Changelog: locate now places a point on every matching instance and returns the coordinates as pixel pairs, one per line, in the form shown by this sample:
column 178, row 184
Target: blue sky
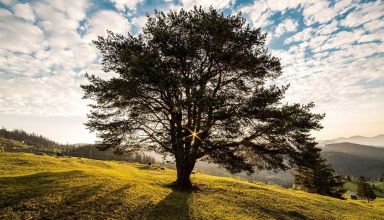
column 332, row 53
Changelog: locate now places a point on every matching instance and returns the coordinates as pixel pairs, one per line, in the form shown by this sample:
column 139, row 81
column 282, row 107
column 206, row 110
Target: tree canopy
column 198, row 85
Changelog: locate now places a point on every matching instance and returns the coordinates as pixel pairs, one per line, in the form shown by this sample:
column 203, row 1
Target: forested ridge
column 27, row 138
column 35, row 143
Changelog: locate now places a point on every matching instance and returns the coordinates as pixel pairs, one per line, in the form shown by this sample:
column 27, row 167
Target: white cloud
column 321, row 11
column 303, row 35
column 288, row 25
column 73, row 9
column 122, row 5
column 59, row 20
column 7, row 2
column 24, row 11
column 188, row 4
column 327, row 29
column 106, row 20
column 318, row 11
column 139, row 21
column 333, row 78
column 4, row 13
column 283, row 5
column 374, row 25
column 42, row 64
column 19, row 36
column 341, row 61
column 53, row 44
column 259, row 12
column 340, row 39
column 39, row 62
column 58, row 94
column 364, row 13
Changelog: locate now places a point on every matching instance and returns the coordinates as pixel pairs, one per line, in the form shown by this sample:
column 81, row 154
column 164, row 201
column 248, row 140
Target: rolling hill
column 42, row 186
column 356, row 149
column 355, row 159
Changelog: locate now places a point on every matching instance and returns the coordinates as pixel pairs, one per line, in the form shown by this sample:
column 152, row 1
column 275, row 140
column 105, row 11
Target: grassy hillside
column 36, row 186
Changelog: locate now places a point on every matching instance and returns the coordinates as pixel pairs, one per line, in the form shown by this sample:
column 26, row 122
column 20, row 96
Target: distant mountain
column 377, row 141
column 346, row 158
column 355, row 159
column 356, row 149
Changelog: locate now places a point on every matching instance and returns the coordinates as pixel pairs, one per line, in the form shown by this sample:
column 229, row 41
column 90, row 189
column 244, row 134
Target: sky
column 332, row 53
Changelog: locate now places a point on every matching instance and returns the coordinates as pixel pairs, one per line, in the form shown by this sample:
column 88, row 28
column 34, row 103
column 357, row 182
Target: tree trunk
column 184, row 170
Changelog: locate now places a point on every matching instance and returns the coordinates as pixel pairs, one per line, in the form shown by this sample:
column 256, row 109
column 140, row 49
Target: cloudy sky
column 332, row 53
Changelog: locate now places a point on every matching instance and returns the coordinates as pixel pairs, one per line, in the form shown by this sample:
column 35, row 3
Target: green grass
column 34, row 187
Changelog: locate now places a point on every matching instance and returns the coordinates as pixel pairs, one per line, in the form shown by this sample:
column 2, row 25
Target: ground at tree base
column 41, row 186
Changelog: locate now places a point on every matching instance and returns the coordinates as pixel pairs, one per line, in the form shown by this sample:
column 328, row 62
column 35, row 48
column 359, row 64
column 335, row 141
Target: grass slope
column 35, row 187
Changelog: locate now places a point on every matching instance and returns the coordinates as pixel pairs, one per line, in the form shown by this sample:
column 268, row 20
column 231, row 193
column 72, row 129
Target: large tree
column 197, row 84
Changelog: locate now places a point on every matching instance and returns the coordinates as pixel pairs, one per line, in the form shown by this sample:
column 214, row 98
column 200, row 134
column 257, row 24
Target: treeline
column 91, row 151
column 28, row 138
column 38, row 144
column 350, row 178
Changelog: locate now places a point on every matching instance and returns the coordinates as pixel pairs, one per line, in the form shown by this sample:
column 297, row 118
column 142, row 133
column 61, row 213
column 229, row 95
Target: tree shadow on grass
column 173, row 206
column 45, row 194
column 61, row 195
column 283, row 214
column 19, row 188
column 94, row 203
column 271, row 210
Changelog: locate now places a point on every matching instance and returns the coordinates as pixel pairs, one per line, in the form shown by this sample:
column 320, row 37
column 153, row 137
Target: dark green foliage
column 365, row 190
column 314, row 175
column 197, row 84
column 348, row 178
column 27, row 138
column 381, row 178
column 361, row 186
column 91, row 151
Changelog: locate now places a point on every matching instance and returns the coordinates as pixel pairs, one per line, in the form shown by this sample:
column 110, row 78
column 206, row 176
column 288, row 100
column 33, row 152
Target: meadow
column 49, row 187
